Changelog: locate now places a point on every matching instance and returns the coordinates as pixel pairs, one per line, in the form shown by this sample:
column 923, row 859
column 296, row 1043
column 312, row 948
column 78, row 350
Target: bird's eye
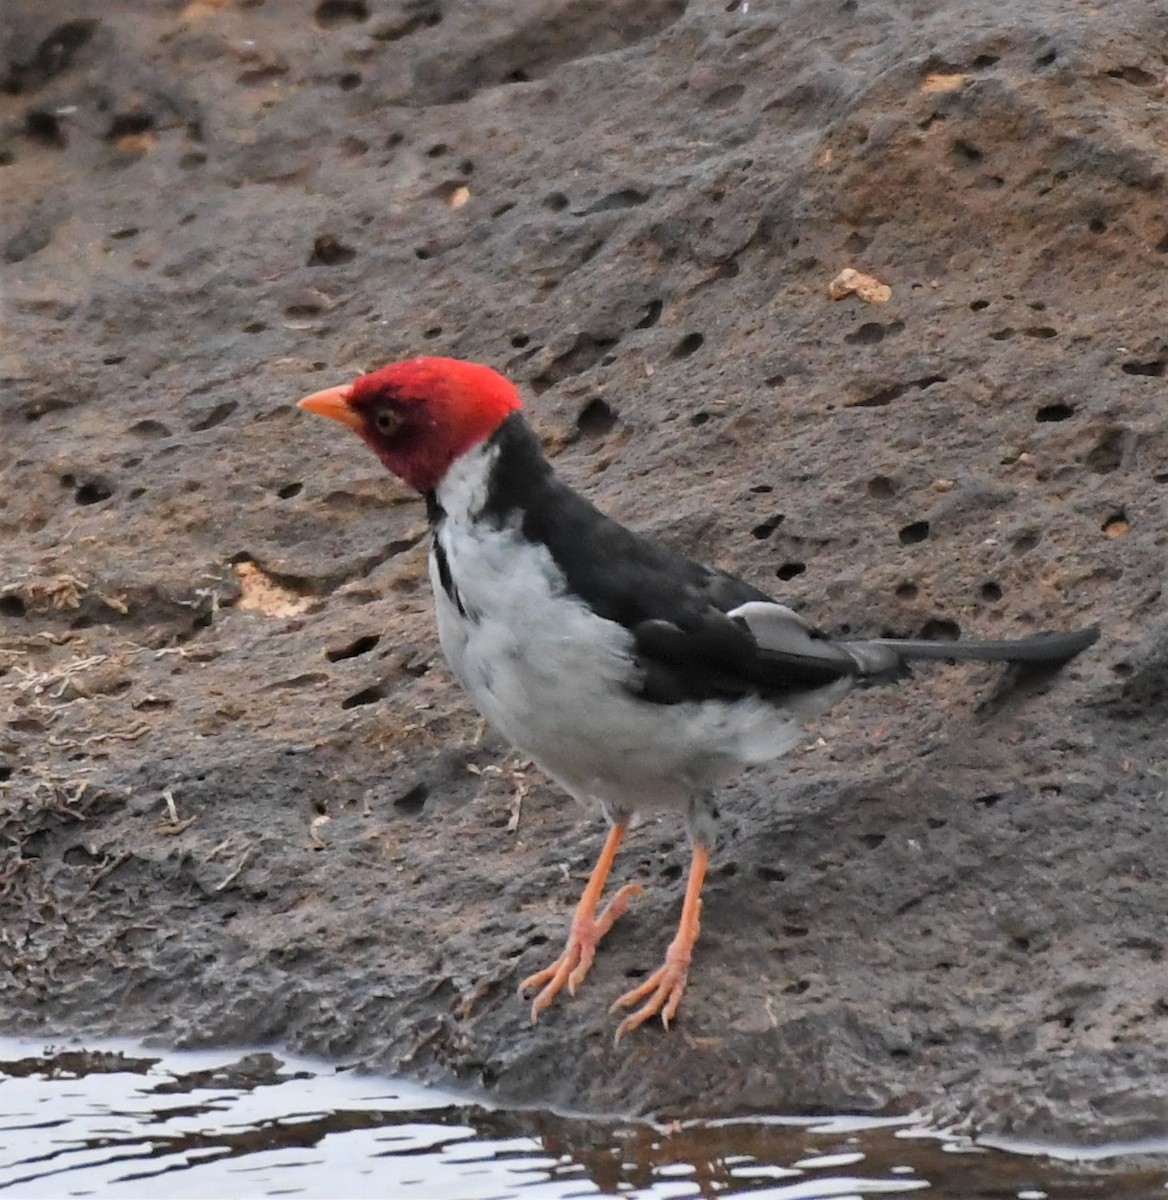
column 385, row 421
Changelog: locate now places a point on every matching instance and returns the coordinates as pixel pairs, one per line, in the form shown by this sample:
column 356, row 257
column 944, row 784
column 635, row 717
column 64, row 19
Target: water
column 123, row 1122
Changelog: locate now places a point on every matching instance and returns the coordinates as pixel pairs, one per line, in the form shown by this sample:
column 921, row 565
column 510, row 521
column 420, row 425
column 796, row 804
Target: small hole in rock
column 652, row 313
column 1116, row 525
column 328, row 251
column 790, row 570
column 519, row 340
column 414, row 800
column 966, row 152
column 991, row 592
column 688, row 344
column 1136, row 76
column 337, row 12
column 940, row 629
column 149, row 428
column 289, row 490
column 1107, row 453
column 699, row 419
column 12, row 606
column 770, row 874
column 872, row 333
column 765, row 528
column 129, row 125
column 369, row 695
column 422, row 253
column 454, row 193
column 978, row 305
column 355, row 648
column 94, row 491
column 918, row 531
column 596, row 419
column 437, row 150
column 556, row 201
column 1154, row 369
column 881, row 487
column 1044, row 60
column 1024, row 543
column 216, row 416
column 431, row 333
column 43, row 127
column 254, row 327
column 349, row 81
column 1054, row 412
column 906, row 591
column 1097, row 225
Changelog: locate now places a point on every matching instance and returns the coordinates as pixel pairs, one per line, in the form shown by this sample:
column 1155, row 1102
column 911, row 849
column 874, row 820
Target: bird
column 636, row 679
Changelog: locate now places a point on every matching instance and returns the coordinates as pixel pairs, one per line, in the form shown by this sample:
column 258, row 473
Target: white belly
column 552, row 677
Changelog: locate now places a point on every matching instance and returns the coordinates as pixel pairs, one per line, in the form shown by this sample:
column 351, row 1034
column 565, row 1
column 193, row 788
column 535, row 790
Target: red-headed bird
column 633, row 677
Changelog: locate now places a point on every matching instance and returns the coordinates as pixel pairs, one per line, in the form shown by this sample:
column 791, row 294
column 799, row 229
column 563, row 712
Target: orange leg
column 665, row 986
column 587, row 929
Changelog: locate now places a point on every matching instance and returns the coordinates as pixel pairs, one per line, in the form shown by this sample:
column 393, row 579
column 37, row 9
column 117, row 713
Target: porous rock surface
column 241, row 799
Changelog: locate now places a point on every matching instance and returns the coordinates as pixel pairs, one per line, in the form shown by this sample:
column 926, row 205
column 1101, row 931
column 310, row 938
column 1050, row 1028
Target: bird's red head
column 421, row 414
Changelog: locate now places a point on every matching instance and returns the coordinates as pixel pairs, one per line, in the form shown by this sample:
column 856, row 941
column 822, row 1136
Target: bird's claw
column 664, row 989
column 575, row 962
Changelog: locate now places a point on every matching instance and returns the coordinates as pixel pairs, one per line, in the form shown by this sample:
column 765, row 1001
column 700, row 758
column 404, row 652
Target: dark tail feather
column 1047, row 647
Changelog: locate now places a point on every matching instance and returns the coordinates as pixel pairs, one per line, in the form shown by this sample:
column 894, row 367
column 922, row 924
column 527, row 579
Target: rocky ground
column 242, row 800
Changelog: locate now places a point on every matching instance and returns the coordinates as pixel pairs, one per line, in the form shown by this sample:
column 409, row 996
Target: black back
column 685, row 645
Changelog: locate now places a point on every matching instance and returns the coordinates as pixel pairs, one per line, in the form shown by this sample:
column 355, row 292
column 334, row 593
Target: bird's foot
column 579, row 951
column 663, row 988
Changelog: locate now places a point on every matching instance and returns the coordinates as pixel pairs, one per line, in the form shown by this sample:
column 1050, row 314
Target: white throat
column 463, row 490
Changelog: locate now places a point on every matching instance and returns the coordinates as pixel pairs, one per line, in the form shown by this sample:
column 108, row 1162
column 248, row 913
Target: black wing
column 699, row 633
column 687, row 645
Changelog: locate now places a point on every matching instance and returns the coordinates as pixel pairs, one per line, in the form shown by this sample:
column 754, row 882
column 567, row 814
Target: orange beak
column 334, row 402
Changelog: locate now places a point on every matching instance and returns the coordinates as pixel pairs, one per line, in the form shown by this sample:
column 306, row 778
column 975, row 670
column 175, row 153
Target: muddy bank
column 242, row 799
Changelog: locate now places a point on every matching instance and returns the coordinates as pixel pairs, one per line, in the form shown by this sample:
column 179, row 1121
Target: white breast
column 552, row 676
